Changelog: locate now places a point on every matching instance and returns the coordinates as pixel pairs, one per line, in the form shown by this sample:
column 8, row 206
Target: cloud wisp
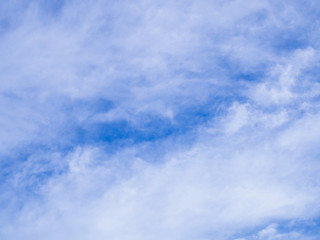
column 159, row 120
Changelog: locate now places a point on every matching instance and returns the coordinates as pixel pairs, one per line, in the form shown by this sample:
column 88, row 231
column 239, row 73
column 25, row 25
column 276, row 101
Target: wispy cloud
column 159, row 120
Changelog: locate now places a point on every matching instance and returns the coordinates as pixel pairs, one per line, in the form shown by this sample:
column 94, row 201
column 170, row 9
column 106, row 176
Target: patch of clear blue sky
column 13, row 12
column 54, row 6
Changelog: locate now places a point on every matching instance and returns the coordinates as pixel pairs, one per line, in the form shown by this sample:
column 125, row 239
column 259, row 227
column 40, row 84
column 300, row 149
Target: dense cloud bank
column 159, row 120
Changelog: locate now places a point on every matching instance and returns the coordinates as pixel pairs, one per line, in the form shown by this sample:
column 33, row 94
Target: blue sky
column 159, row 120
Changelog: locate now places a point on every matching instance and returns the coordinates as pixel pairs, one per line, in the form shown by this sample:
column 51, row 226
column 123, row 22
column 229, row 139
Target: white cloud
column 216, row 188
column 250, row 165
column 284, row 80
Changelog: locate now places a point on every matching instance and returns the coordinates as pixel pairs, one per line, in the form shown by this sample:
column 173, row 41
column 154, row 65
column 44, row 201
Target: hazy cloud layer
column 159, row 120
